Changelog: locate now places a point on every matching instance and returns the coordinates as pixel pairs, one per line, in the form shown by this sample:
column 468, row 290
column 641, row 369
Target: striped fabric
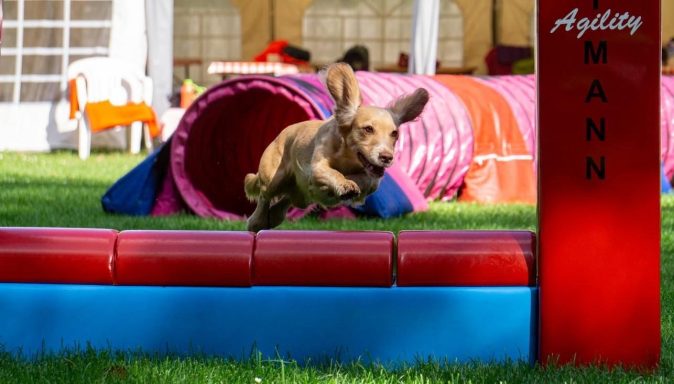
column 667, row 125
column 434, row 150
column 251, row 68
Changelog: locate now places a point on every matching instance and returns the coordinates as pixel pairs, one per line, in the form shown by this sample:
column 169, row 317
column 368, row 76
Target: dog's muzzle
column 372, row 169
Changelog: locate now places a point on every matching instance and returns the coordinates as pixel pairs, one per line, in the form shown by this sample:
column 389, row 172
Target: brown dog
column 330, row 162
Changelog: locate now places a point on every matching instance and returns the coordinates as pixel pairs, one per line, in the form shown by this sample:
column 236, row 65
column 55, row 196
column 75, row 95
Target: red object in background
column 494, row 66
column 501, row 58
column 599, row 201
column 275, row 51
column 190, row 258
column 323, row 258
column 466, row 258
column 404, row 61
column 57, row 255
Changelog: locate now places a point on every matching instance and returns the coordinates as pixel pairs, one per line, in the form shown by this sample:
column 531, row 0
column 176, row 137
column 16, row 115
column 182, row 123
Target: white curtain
column 128, row 39
column 159, row 16
column 423, row 51
column 0, row 22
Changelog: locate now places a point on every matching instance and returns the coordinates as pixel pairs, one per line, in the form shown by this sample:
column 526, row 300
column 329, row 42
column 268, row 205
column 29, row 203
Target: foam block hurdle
column 391, row 325
column 466, row 258
column 190, row 258
column 57, row 255
column 599, row 201
column 323, row 258
column 309, row 323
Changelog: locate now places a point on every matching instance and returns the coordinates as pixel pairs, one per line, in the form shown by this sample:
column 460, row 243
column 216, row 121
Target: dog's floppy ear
column 343, row 86
column 408, row 107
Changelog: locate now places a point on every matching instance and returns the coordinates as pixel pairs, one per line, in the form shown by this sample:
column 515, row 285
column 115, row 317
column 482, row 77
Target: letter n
column 599, row 131
column 592, row 167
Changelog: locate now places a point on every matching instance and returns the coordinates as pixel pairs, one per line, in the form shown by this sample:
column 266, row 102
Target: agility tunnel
column 211, row 152
column 223, row 134
column 476, row 141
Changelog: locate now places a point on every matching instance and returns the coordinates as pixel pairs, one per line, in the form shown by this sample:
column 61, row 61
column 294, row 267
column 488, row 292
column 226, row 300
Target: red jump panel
column 466, row 258
column 599, row 192
column 57, row 255
column 189, row 258
column 323, row 258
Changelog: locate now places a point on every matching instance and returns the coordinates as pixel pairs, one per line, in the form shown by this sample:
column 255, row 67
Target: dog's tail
column 252, row 186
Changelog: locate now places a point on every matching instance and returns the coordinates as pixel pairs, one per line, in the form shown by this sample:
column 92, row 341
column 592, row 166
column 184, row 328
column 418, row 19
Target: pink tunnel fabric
column 667, row 125
column 436, row 149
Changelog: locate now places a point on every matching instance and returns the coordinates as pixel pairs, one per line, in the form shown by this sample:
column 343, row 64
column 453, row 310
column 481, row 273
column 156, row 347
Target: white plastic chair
column 103, row 78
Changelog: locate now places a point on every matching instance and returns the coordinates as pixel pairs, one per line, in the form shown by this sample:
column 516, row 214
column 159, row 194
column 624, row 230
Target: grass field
column 60, row 190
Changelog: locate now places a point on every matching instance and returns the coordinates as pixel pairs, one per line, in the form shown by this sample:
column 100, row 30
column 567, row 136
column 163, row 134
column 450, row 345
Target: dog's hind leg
column 267, row 216
column 278, row 211
column 259, row 220
column 251, row 185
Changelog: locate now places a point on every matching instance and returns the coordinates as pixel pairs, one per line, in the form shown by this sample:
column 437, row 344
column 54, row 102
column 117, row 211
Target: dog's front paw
column 348, row 190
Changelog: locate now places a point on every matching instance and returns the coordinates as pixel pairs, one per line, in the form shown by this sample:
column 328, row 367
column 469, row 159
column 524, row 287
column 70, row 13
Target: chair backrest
column 109, row 79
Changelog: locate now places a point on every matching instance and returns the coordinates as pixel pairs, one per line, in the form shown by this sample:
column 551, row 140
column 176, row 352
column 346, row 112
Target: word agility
column 603, row 21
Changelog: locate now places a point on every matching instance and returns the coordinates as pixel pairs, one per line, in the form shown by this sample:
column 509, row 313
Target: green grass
column 60, row 190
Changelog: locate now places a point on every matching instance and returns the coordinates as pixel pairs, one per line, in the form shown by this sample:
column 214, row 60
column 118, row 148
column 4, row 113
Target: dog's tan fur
column 318, row 161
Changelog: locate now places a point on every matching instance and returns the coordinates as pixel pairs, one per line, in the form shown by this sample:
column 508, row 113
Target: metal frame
column 65, row 51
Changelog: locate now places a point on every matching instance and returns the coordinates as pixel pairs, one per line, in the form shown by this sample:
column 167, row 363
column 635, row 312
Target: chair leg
column 148, row 139
column 84, row 136
column 136, row 137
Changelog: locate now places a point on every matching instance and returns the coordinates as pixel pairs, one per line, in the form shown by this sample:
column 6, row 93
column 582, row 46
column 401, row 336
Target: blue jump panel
column 389, row 325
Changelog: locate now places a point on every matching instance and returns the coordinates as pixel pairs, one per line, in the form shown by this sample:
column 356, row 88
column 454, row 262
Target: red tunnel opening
column 222, row 136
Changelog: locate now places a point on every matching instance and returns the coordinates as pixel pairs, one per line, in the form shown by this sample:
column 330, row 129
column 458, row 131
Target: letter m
column 594, row 55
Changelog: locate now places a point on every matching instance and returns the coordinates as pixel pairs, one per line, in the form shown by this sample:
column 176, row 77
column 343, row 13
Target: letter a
column 596, row 90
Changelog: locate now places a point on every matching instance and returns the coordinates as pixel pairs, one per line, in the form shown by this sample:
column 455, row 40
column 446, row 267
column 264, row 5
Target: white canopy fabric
column 128, row 39
column 424, row 45
column 159, row 16
column 0, row 22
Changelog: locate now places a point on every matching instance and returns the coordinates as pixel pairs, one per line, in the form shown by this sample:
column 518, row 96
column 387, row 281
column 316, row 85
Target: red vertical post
column 599, row 192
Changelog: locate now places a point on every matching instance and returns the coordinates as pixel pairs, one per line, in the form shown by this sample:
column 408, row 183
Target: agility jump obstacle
column 308, row 295
column 456, row 295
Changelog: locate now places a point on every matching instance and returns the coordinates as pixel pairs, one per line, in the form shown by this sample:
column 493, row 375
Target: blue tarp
column 135, row 192
column 666, row 185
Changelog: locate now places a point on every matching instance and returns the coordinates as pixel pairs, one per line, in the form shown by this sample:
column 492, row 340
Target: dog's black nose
column 385, row 158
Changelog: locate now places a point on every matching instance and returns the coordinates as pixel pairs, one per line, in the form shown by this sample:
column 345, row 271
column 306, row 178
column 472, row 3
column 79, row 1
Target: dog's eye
column 394, row 134
column 368, row 129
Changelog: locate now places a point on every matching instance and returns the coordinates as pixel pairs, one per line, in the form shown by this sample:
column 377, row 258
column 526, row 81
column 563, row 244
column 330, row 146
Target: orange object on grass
column 502, row 169
column 104, row 115
column 187, row 94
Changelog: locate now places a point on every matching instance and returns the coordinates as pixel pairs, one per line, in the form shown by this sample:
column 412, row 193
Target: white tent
column 40, row 39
